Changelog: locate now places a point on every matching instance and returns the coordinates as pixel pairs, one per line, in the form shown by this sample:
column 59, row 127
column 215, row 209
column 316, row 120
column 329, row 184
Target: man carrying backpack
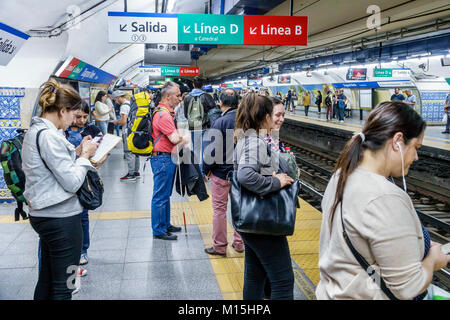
column 196, row 108
column 132, row 160
column 165, row 137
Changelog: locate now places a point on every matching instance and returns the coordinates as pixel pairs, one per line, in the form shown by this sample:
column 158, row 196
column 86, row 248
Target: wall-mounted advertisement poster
column 356, row 74
column 284, row 79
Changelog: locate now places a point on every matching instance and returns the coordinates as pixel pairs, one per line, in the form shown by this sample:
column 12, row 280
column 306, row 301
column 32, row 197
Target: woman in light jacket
column 52, row 180
column 265, row 256
column 378, row 216
column 102, row 111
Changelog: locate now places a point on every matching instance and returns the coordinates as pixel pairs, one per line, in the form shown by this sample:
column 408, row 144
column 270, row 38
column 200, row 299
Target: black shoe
column 166, row 236
column 173, row 229
column 445, row 132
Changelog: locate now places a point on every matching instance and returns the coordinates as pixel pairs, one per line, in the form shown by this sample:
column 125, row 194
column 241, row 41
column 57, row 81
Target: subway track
column 316, row 169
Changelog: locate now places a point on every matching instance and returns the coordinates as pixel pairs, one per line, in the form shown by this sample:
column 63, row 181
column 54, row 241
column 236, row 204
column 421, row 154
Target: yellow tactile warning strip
column 229, row 270
column 435, row 142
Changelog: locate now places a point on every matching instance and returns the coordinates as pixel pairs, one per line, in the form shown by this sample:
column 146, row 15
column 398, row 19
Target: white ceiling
column 329, row 21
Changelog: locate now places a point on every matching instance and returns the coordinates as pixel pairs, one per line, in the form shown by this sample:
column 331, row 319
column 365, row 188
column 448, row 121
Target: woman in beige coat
column 378, row 216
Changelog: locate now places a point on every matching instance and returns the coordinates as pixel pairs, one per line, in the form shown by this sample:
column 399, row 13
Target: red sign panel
column 69, row 68
column 276, row 30
column 189, row 71
column 223, row 85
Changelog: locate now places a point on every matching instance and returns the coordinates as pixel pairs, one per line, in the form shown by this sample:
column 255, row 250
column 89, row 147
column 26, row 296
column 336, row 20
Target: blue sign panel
column 93, row 74
column 369, row 84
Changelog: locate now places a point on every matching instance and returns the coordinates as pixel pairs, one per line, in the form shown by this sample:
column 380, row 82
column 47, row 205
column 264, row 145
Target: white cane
column 181, row 189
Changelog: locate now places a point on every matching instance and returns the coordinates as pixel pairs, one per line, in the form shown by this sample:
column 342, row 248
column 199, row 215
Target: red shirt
column 163, row 124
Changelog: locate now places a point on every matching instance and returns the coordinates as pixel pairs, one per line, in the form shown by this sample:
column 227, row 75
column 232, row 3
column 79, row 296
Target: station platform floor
column 433, row 134
column 125, row 262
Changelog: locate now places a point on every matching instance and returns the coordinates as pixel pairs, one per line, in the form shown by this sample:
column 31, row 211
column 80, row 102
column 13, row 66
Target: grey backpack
column 196, row 114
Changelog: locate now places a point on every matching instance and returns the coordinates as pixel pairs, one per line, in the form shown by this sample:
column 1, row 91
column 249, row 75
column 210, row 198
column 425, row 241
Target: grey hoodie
column 52, row 194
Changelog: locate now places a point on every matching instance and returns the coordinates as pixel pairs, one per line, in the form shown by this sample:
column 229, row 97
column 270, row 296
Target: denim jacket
column 42, row 187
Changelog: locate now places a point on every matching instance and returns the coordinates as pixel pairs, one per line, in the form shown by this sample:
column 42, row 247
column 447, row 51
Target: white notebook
column 108, row 142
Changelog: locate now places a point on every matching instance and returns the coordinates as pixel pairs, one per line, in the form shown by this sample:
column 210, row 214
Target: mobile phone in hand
column 446, row 248
column 97, row 139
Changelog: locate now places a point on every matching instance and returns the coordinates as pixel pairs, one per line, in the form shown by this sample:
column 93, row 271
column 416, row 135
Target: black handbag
column 273, row 214
column 90, row 193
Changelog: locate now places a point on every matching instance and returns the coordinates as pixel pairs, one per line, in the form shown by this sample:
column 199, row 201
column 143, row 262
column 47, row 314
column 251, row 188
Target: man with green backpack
column 197, row 106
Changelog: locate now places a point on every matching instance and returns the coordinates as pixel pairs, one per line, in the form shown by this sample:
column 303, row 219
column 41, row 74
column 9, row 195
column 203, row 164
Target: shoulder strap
column 364, row 264
column 39, row 149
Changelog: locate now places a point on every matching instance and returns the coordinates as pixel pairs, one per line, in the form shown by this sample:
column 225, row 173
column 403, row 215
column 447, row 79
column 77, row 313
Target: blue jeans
column 103, row 126
column 117, row 129
column 85, row 226
column 197, row 146
column 163, row 176
column 267, row 258
column 341, row 113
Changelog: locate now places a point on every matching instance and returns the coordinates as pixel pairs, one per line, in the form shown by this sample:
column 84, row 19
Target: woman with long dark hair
column 265, row 256
column 378, row 217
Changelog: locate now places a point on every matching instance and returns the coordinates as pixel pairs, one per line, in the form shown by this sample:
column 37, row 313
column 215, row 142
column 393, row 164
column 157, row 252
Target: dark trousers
column 335, row 110
column 85, row 226
column 318, row 106
column 341, row 114
column 267, row 258
column 306, row 110
column 60, row 247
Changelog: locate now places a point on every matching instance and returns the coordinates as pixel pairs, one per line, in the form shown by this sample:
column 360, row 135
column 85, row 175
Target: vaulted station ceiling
column 79, row 28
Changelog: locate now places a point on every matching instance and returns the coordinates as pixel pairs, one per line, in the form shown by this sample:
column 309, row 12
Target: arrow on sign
column 253, row 31
column 186, row 29
column 122, row 28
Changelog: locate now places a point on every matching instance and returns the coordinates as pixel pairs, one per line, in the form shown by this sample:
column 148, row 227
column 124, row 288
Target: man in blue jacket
column 219, row 172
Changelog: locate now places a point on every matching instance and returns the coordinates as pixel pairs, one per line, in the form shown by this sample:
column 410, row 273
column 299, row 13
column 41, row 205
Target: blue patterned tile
column 9, row 107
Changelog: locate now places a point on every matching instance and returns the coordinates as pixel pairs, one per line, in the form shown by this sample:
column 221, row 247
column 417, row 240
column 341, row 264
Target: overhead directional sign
column 210, row 29
column 10, row 42
column 139, row 27
column 158, row 71
column 276, row 30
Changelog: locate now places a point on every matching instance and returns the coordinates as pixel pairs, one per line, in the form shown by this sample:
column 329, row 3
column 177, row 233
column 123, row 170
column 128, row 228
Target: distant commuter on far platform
column 447, row 111
column 397, row 96
column 410, row 98
column 306, row 102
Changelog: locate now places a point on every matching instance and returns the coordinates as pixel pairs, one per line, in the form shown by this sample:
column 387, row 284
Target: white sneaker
column 77, row 284
column 83, row 259
column 81, row 272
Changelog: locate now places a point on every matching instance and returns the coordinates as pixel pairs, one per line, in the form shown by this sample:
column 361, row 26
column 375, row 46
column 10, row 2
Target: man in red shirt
column 166, row 137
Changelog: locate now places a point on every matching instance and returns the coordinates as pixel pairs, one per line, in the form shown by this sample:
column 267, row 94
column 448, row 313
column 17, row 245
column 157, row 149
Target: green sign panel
column 210, row 29
column 170, row 71
column 77, row 70
column 448, row 80
column 382, row 73
column 163, row 82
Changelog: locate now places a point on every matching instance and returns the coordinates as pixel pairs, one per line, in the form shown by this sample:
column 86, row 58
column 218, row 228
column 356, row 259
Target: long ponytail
column 383, row 122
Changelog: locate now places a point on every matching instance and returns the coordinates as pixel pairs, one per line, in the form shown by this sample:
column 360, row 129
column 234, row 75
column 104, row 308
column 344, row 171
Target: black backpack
column 11, row 161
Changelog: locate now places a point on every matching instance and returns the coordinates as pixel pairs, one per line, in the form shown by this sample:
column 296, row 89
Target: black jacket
column 226, row 121
column 191, row 180
column 207, row 102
